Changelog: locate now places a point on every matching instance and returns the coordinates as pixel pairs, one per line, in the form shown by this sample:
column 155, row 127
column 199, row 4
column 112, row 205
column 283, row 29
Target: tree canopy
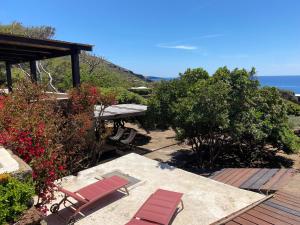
column 228, row 108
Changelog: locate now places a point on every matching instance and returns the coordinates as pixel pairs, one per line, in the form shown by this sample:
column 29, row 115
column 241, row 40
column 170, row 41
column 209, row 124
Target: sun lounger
column 130, row 138
column 90, row 194
column 159, row 209
column 118, row 135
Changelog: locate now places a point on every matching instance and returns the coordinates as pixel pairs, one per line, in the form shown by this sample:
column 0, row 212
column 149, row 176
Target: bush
column 292, row 108
column 228, row 108
column 141, row 91
column 289, row 141
column 54, row 142
column 124, row 96
column 15, row 197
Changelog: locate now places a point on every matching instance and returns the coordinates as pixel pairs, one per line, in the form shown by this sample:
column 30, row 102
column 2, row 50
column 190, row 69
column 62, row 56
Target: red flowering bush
column 54, row 142
column 83, row 134
column 29, row 126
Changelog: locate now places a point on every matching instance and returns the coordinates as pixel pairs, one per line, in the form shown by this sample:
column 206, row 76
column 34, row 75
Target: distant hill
column 94, row 69
column 127, row 71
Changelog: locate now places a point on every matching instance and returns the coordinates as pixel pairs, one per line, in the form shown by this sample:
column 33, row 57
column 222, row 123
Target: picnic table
column 120, row 111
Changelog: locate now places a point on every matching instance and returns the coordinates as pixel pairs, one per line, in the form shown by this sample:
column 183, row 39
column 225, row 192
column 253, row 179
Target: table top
column 120, row 111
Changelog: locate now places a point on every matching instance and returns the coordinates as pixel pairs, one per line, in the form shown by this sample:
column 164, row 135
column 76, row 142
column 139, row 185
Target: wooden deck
column 282, row 208
column 255, row 179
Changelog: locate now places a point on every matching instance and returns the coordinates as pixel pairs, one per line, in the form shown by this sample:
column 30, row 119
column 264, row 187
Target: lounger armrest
column 72, row 194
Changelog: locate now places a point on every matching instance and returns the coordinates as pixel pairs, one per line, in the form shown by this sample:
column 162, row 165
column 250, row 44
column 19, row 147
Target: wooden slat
column 288, row 195
column 246, row 176
column 214, row 174
column 254, row 219
column 223, row 175
column 286, row 205
column 253, row 179
column 241, row 220
column 239, row 176
column 280, row 212
column 277, row 215
column 274, row 180
column 232, row 223
column 288, row 200
column 232, row 176
column 267, row 176
column 283, row 180
column 283, row 208
column 266, row 217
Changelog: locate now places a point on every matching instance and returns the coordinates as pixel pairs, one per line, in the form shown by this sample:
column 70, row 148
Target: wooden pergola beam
column 19, row 49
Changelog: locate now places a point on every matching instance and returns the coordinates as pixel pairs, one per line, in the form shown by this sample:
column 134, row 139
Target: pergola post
column 8, row 76
column 33, row 72
column 75, row 68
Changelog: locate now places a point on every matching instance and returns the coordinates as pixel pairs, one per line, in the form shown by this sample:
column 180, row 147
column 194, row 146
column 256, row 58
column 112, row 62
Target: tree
column 193, row 75
column 202, row 118
column 228, row 109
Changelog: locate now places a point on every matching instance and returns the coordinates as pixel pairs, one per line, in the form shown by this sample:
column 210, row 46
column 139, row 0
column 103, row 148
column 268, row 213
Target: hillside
column 94, row 69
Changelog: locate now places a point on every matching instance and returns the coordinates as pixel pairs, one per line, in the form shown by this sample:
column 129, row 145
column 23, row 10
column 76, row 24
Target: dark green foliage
column 290, row 140
column 227, row 109
column 143, row 92
column 292, row 108
column 289, row 95
column 193, row 75
column 123, row 96
column 15, row 197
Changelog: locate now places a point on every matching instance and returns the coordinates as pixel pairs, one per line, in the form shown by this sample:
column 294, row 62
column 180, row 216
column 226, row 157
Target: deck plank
column 266, row 217
column 265, row 178
column 283, row 180
column 276, row 215
column 283, row 208
column 241, row 220
column 254, row 219
column 280, row 212
column 246, row 176
column 274, row 179
column 252, row 180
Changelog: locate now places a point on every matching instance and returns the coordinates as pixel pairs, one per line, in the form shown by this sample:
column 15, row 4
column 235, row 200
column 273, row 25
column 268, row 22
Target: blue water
column 285, row 82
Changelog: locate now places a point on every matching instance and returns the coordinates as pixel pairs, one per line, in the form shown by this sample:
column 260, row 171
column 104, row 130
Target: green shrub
column 15, row 197
column 292, row 108
column 290, row 142
column 294, row 122
column 141, row 91
column 124, row 96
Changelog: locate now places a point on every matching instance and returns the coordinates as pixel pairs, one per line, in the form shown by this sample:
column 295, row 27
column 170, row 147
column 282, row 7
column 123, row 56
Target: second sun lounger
column 90, row 194
column 159, row 208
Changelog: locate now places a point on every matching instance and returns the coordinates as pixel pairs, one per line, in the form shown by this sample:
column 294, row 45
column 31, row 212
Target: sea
column 285, row 82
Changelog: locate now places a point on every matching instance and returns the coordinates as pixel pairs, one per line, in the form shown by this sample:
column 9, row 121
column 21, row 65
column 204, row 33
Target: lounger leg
column 182, row 206
column 126, row 190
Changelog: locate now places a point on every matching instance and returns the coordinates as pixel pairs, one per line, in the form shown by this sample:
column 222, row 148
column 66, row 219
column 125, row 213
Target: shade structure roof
column 121, row 111
column 19, row 49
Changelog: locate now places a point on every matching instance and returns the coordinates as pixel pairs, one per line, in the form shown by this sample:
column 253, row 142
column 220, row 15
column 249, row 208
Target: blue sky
column 164, row 37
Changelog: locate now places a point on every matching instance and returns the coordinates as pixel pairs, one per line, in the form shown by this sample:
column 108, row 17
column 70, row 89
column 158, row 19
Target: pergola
column 19, row 49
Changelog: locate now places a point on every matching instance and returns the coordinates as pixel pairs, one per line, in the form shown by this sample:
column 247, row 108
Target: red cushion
column 160, row 207
column 140, row 222
column 102, row 187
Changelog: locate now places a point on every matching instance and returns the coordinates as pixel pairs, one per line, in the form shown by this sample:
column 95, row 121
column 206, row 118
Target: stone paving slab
column 205, row 200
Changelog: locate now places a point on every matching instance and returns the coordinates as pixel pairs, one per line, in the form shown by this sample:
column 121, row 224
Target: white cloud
column 184, row 47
